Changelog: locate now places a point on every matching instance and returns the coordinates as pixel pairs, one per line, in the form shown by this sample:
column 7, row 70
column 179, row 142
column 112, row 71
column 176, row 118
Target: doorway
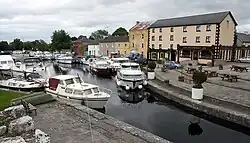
column 195, row 55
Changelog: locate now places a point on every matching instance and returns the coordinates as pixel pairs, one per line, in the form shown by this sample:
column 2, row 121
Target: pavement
column 70, row 123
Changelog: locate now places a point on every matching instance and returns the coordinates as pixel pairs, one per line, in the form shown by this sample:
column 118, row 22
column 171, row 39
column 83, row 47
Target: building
column 192, row 37
column 81, row 46
column 138, row 37
column 93, row 49
column 243, row 39
column 114, row 44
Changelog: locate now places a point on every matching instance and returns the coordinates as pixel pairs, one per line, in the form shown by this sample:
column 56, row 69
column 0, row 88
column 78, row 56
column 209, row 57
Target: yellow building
column 194, row 32
column 138, row 37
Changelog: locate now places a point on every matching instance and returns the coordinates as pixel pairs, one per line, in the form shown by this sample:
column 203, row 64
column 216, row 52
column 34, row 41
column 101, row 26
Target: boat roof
column 130, row 64
column 81, row 86
column 119, row 59
column 101, row 62
column 6, row 58
column 131, row 72
column 64, row 77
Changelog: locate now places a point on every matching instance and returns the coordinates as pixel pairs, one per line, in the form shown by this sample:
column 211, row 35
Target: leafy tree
column 17, row 44
column 91, row 38
column 99, row 35
column 73, row 38
column 60, row 40
column 120, row 32
column 4, row 46
column 27, row 45
column 80, row 37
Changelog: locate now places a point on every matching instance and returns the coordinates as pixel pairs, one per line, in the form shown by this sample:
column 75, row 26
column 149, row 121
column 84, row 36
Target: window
column 78, row 92
column 184, row 40
column 142, row 36
column 153, row 38
column 186, row 54
column 160, row 30
column 68, row 90
column 87, row 92
column 61, row 82
column 227, row 23
column 118, row 45
column 142, row 45
column 205, row 54
column 133, row 37
column 172, row 29
column 208, row 28
column 3, row 62
column 125, row 45
column 171, row 46
column 171, row 37
column 96, row 90
column 160, row 38
column 184, row 28
column 133, row 45
column 153, row 46
column 207, row 39
column 198, row 39
column 153, row 30
column 69, row 81
column 198, row 28
column 160, row 46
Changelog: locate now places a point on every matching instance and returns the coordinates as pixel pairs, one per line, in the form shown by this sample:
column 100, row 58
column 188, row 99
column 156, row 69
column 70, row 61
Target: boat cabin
column 32, row 61
column 6, row 60
column 130, row 66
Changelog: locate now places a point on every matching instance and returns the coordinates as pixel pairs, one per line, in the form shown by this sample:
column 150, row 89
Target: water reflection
column 194, row 129
column 131, row 97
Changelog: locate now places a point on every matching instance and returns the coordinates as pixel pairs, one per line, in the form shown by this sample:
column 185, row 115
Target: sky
column 37, row 19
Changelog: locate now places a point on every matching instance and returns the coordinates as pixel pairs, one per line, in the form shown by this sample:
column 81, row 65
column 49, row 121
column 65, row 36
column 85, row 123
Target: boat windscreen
column 95, row 90
column 78, row 80
column 87, row 91
column 3, row 62
column 69, row 81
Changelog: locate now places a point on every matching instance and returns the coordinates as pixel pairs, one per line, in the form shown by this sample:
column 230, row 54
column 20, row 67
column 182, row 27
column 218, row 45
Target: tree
column 4, row 46
column 73, row 38
column 99, row 35
column 91, row 38
column 17, row 44
column 120, row 32
column 60, row 40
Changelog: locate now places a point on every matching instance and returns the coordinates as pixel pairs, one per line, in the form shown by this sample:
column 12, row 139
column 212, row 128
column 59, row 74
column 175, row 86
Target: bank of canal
column 160, row 117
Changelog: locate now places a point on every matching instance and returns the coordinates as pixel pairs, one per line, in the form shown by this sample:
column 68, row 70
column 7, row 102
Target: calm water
column 157, row 116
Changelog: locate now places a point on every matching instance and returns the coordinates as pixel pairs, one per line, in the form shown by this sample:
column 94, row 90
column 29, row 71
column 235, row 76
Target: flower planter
column 151, row 75
column 197, row 93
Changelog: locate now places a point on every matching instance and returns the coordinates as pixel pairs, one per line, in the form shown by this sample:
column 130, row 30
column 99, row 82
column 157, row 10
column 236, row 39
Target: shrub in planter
column 151, row 67
column 199, row 78
column 220, row 67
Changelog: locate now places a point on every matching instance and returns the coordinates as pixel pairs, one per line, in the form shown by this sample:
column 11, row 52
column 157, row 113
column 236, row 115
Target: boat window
column 69, row 90
column 78, row 92
column 78, row 80
column 61, row 82
column 69, row 81
column 132, row 76
column 10, row 62
column 95, row 90
column 87, row 92
column 3, row 62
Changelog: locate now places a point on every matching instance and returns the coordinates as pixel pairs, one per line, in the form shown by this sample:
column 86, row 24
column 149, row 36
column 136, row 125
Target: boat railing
column 105, row 90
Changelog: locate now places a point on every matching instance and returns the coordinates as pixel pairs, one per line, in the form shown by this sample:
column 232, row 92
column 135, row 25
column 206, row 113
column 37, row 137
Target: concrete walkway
column 70, row 123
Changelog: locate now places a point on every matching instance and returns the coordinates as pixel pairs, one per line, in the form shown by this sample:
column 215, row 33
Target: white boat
column 89, row 61
column 244, row 60
column 6, row 63
column 64, row 59
column 115, row 63
column 100, row 68
column 28, row 82
column 130, row 76
column 47, row 55
column 32, row 64
column 72, row 88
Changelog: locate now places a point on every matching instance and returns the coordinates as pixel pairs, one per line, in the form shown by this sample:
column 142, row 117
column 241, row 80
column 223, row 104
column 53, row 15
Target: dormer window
column 208, row 28
column 198, row 28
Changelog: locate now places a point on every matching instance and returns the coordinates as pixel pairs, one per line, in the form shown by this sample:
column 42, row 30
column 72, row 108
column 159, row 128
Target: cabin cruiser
column 6, row 63
column 28, row 82
column 130, row 76
column 64, row 68
column 115, row 63
column 33, row 64
column 89, row 61
column 74, row 89
column 100, row 68
column 47, row 55
column 64, row 59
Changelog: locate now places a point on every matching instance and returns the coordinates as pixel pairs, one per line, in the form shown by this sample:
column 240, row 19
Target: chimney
column 137, row 22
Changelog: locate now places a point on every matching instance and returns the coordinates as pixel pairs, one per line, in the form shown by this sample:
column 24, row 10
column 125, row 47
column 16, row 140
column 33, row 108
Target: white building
column 93, row 49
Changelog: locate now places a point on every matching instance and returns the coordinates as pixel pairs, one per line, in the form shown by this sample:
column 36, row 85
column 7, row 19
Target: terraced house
column 195, row 37
column 113, row 44
column 138, row 37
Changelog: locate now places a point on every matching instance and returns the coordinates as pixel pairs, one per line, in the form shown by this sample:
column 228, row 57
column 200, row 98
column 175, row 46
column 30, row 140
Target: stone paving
column 66, row 124
column 233, row 95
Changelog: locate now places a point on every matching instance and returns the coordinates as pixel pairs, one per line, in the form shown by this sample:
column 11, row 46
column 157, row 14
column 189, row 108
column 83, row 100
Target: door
column 195, row 55
column 173, row 55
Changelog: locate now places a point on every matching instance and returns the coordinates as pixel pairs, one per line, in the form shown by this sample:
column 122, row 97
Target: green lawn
column 7, row 96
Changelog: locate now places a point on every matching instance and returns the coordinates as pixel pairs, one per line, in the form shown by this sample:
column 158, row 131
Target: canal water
column 161, row 117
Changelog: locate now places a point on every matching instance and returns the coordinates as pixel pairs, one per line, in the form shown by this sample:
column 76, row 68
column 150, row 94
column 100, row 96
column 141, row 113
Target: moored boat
column 72, row 88
column 101, row 68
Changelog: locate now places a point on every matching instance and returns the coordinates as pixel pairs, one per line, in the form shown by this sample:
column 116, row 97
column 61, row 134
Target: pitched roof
column 87, row 41
column 211, row 18
column 243, row 37
column 141, row 25
column 111, row 39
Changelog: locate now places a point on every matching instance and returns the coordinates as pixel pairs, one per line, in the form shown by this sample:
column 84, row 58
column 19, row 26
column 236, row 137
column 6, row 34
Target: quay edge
column 218, row 111
column 144, row 135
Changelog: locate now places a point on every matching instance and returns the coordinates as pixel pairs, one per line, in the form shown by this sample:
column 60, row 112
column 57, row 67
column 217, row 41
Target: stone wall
column 18, row 127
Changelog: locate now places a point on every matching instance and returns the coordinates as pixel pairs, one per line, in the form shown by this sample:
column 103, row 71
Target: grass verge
column 7, row 96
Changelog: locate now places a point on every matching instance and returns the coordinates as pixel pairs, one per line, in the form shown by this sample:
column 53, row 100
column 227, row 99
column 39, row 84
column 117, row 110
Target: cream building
column 191, row 31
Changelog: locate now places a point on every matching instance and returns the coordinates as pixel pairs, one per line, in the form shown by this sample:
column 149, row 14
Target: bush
column 151, row 65
column 199, row 77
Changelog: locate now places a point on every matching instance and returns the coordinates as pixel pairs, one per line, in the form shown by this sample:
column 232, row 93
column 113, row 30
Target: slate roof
column 111, row 39
column 87, row 41
column 211, row 18
column 142, row 25
column 243, row 37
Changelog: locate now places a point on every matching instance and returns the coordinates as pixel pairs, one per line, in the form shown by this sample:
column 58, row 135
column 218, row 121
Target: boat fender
column 140, row 86
column 145, row 82
column 127, row 87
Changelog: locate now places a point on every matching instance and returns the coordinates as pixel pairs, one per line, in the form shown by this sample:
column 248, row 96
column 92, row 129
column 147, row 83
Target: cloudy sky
column 37, row 19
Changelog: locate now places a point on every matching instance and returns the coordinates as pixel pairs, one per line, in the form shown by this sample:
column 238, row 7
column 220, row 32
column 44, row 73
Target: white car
column 244, row 60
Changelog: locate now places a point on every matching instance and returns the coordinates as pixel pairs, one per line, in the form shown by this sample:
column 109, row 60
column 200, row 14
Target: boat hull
column 27, row 89
column 131, row 85
column 95, row 103
column 101, row 72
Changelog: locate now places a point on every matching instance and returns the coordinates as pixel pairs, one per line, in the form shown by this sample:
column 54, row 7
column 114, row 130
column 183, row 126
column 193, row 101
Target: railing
column 105, row 90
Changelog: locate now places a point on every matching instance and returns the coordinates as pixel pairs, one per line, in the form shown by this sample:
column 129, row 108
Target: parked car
column 245, row 59
column 172, row 65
